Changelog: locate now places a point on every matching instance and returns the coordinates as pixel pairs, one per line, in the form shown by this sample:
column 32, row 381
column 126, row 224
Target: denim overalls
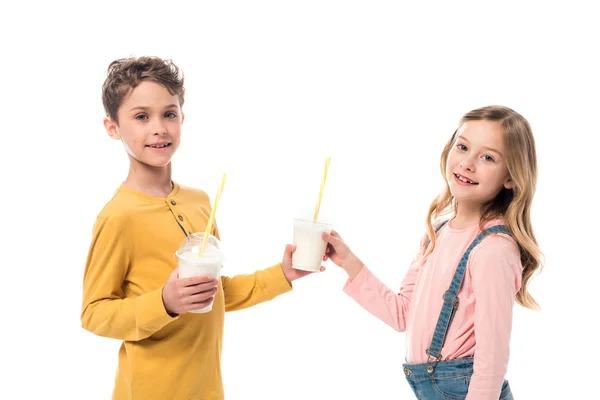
column 437, row 379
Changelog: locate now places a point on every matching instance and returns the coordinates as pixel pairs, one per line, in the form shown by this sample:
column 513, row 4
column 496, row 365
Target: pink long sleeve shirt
column 483, row 320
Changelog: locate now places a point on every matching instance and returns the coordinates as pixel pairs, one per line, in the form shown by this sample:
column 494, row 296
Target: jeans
column 450, row 380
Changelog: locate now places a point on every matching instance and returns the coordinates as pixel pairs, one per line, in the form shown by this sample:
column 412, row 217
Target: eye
column 141, row 117
column 170, row 114
column 488, row 158
column 461, row 147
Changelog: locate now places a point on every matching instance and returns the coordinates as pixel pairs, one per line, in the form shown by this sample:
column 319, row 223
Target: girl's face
column 476, row 169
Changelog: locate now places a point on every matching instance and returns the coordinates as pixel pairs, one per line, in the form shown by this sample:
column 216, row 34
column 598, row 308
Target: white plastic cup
column 209, row 264
column 310, row 247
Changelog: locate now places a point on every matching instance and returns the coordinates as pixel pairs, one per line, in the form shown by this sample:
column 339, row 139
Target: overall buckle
column 450, row 298
column 432, row 360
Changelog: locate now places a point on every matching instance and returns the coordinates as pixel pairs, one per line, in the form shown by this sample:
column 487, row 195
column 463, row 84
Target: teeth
column 160, row 146
column 463, row 179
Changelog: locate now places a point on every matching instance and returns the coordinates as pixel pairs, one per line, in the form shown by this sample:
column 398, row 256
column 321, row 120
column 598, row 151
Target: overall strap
column 441, row 225
column 437, row 229
column 450, row 298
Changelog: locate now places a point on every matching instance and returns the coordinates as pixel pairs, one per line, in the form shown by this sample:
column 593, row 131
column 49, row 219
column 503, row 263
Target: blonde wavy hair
column 513, row 205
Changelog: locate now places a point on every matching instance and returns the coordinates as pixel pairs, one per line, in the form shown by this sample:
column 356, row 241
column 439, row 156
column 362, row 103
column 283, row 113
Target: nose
column 468, row 163
column 159, row 128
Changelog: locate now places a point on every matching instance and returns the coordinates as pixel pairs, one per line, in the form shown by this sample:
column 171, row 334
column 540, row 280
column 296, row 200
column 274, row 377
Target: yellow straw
column 321, row 190
column 212, row 218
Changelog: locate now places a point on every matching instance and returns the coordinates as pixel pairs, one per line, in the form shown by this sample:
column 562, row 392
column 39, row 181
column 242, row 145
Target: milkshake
column 191, row 265
column 310, row 248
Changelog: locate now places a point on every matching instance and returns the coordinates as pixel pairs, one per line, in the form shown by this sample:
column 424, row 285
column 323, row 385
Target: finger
column 322, row 268
column 332, row 240
column 334, row 233
column 199, row 288
column 200, row 297
column 289, row 249
column 195, row 280
column 199, row 305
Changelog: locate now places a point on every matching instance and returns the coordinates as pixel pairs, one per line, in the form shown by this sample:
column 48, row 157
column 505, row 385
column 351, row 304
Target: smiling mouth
column 465, row 180
column 158, row 146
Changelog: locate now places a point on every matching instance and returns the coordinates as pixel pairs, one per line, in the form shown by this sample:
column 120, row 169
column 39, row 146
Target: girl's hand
column 341, row 255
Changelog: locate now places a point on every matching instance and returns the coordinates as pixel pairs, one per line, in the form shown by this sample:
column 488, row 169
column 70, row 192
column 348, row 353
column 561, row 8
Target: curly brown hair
column 126, row 73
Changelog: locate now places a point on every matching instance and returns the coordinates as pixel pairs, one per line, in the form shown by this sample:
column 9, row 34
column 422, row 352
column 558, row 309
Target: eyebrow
column 145, row 107
column 487, row 148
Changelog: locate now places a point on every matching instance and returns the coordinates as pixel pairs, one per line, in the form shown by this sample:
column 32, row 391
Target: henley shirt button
column 173, row 202
column 180, row 217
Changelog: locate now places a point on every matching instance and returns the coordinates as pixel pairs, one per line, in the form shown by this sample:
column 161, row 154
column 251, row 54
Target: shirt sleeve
column 243, row 291
column 247, row 290
column 105, row 310
column 496, row 271
column 379, row 300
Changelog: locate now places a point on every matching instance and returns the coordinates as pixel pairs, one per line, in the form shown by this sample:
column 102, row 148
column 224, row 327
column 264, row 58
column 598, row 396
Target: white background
column 273, row 87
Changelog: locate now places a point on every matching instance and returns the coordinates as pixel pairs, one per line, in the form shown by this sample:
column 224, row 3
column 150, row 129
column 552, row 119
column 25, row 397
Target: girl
column 455, row 302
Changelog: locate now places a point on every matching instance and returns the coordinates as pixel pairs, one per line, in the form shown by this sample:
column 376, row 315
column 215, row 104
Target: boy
column 131, row 291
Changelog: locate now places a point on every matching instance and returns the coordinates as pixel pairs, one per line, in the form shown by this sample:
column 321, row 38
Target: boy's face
column 149, row 125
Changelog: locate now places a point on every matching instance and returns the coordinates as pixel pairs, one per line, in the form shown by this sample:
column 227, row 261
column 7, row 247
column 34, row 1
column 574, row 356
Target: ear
column 508, row 183
column 182, row 117
column 112, row 128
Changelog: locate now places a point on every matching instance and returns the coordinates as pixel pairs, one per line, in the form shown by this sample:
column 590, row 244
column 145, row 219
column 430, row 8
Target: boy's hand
column 290, row 273
column 341, row 255
column 187, row 294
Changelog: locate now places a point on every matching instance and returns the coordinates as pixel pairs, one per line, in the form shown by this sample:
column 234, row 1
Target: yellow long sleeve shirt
column 130, row 258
